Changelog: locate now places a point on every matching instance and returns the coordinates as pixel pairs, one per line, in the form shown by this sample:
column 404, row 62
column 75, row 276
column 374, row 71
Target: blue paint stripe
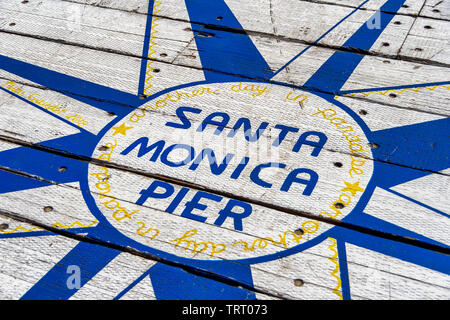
column 224, row 51
column 333, row 74
column 65, row 83
column 343, row 269
column 418, row 202
column 45, row 110
column 371, row 222
column 417, row 85
column 172, row 283
column 145, row 50
column 320, row 38
column 90, row 258
column 43, row 233
column 426, row 258
column 133, row 284
column 421, row 146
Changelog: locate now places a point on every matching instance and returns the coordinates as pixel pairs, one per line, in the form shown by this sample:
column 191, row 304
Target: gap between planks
column 182, row 183
column 37, row 145
column 190, row 269
column 242, row 31
column 99, row 5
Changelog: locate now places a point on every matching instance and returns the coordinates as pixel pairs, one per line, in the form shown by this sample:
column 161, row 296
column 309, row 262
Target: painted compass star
column 213, row 229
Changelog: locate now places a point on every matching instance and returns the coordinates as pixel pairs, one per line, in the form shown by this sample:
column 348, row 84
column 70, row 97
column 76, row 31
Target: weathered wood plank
column 262, row 110
column 121, row 179
column 428, row 40
column 316, row 204
column 124, row 178
column 171, row 146
column 274, row 19
column 436, row 9
column 317, row 262
column 313, row 287
column 181, row 53
column 25, row 260
column 126, row 35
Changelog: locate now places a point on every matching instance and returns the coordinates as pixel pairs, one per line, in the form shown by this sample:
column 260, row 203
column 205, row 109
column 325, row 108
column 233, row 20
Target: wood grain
column 300, row 245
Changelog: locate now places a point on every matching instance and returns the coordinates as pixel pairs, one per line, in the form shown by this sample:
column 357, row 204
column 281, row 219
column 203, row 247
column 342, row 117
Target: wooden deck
column 224, row 149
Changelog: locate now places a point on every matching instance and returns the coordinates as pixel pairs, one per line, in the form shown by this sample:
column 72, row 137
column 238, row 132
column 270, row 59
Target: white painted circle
column 338, row 160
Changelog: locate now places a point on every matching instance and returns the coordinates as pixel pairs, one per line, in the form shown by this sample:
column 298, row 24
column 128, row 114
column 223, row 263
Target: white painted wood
column 318, row 283
column 331, row 180
column 411, row 7
column 306, row 268
column 75, row 61
column 50, row 206
column 436, row 9
column 170, row 226
column 46, row 128
column 378, row 116
column 177, row 44
column 390, row 278
column 369, row 106
column 112, row 280
column 141, row 291
column 438, row 199
column 273, row 18
column 24, row 261
column 406, row 73
column 409, row 215
column 428, row 40
column 90, row 26
column 102, row 42
column 127, row 34
column 388, row 118
column 58, row 114
column 265, row 275
column 101, row 288
column 314, row 268
column 72, row 22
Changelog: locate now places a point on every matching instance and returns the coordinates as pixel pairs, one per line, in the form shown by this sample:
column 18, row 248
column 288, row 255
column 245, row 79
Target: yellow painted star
column 122, row 129
column 353, row 188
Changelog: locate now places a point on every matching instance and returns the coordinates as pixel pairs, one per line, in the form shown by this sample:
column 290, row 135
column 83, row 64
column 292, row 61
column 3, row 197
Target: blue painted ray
column 423, row 257
column 410, row 86
column 43, row 233
column 320, row 38
column 333, row 74
column 398, row 145
column 101, row 97
column 343, row 269
column 89, row 258
column 423, row 146
column 230, row 51
column 419, row 203
column 46, row 165
column 170, row 283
